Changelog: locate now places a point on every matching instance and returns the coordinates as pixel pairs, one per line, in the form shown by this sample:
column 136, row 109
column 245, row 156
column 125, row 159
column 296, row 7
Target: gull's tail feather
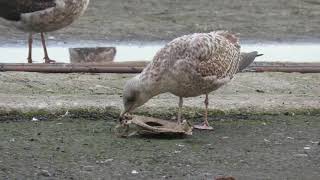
column 247, row 59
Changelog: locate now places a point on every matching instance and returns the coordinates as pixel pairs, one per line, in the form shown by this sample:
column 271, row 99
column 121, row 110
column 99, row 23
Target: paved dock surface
column 59, row 126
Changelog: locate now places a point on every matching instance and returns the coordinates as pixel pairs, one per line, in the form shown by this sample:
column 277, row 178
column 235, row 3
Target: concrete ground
column 266, row 127
column 154, row 20
column 250, row 93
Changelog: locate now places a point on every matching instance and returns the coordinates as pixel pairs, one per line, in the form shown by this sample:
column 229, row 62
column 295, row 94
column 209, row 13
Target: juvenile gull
column 188, row 66
column 40, row 16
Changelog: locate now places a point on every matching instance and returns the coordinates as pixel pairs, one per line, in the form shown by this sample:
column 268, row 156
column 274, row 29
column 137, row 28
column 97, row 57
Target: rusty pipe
column 123, row 67
column 137, row 67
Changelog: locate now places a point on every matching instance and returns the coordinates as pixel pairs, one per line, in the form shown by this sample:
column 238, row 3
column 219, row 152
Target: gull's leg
column 30, row 40
column 180, row 108
column 46, row 57
column 205, row 125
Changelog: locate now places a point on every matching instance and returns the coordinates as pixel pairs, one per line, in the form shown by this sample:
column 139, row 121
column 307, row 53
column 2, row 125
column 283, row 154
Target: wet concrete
column 247, row 147
column 266, row 127
column 122, row 20
column 253, row 93
column 246, row 143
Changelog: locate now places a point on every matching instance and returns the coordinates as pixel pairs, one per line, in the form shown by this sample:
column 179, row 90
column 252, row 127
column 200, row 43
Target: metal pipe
column 123, row 67
column 137, row 67
column 300, row 69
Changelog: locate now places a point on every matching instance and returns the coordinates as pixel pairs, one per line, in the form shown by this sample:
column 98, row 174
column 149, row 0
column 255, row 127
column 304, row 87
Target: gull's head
column 134, row 95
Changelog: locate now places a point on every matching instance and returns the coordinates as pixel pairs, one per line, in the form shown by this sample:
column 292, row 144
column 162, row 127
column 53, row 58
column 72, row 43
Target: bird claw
column 49, row 61
column 203, row 127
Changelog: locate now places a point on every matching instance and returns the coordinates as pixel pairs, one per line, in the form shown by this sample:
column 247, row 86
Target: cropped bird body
column 40, row 16
column 188, row 66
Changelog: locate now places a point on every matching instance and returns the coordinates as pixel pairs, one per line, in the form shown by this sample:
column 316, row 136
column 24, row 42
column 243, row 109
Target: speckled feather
column 194, row 64
column 12, row 9
column 44, row 15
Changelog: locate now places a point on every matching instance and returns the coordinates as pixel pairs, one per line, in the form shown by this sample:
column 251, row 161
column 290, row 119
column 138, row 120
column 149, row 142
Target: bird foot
column 49, row 61
column 203, row 127
column 29, row 60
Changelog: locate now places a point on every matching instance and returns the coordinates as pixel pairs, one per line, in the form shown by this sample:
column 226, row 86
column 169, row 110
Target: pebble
column 34, row 119
column 259, row 91
column 44, row 173
column 315, row 142
column 105, row 161
column 134, row 172
column 49, row 91
column 266, row 140
column 51, row 38
column 301, row 155
column 180, row 145
column 307, row 148
column 88, row 168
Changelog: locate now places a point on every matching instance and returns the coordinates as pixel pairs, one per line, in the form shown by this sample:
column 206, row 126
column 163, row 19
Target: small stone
column 88, row 168
column 49, row 91
column 301, row 155
column 266, row 140
column 207, row 174
column 34, row 119
column 105, row 161
column 290, row 137
column 12, row 140
column 176, row 152
column 315, row 142
column 134, row 172
column 180, row 145
column 51, row 38
column 44, row 173
column 259, row 91
column 307, row 148
column 66, row 114
column 99, row 86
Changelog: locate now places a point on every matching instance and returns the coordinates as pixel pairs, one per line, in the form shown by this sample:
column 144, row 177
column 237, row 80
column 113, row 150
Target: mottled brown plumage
column 39, row 16
column 13, row 9
column 188, row 66
column 195, row 64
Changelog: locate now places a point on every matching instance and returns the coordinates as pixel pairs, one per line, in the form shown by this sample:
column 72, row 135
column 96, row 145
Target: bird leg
column 30, row 40
column 205, row 125
column 46, row 57
column 180, row 108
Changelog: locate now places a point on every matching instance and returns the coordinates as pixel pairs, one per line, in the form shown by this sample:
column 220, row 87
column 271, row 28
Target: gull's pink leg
column 46, row 57
column 205, row 125
column 30, row 40
column 180, row 108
